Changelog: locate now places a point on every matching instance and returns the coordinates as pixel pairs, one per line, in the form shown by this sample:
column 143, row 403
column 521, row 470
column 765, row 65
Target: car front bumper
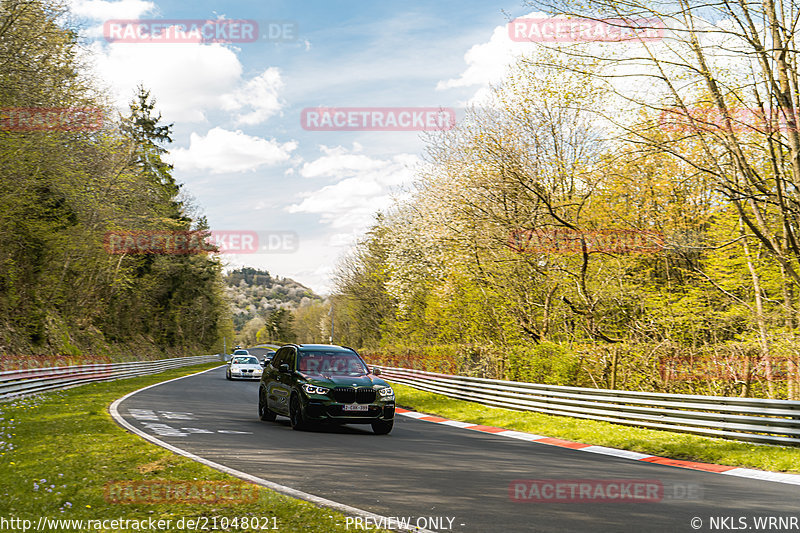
column 245, row 375
column 320, row 410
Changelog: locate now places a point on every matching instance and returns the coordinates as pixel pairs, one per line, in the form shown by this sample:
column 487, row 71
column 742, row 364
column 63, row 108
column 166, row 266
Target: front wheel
column 264, row 412
column 382, row 427
column 296, row 413
column 228, row 374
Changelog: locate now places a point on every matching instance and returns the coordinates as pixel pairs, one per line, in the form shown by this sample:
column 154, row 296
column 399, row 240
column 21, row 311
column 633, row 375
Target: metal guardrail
column 745, row 419
column 14, row 383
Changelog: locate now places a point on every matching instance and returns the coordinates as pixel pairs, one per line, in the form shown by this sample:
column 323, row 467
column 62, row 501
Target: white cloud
column 338, row 162
column 259, row 94
column 487, row 62
column 344, row 240
column 187, row 79
column 104, row 10
column 222, row 150
column 365, row 185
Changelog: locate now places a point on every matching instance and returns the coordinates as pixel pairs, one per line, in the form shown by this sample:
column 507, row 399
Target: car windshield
column 245, row 361
column 330, row 363
column 241, row 352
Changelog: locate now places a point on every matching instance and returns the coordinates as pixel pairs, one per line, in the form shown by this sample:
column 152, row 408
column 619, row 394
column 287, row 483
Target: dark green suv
column 324, row 383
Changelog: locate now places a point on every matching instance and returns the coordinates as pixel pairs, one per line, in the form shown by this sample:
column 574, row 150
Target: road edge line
column 113, row 410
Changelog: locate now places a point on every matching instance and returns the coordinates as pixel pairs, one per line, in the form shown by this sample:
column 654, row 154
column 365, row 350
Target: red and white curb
column 763, row 475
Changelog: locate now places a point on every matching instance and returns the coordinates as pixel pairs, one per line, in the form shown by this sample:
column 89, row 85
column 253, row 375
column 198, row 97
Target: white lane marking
column 414, row 414
column 232, row 432
column 143, row 414
column 196, row 430
column 519, row 435
column 171, row 415
column 113, row 410
column 627, row 454
column 778, row 477
column 454, row 423
column 164, row 429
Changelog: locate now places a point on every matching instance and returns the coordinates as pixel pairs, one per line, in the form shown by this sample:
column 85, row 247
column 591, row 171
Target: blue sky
column 239, row 148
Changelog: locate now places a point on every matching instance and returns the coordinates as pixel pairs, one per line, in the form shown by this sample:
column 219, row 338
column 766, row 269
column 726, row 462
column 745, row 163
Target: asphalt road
column 443, row 476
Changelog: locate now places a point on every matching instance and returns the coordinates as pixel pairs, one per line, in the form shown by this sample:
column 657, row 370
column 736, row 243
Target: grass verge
column 59, row 450
column 662, row 443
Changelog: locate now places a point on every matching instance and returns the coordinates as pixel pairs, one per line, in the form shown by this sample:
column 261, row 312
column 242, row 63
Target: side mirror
column 284, row 368
column 376, row 371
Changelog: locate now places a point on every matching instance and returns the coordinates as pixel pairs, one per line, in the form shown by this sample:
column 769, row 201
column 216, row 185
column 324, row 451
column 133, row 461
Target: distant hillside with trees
column 263, row 305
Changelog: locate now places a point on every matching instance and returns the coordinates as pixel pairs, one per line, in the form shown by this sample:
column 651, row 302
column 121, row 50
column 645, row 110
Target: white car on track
column 244, row 367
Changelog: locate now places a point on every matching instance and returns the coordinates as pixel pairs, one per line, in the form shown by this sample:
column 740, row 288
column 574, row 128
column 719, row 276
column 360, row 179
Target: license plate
column 355, row 407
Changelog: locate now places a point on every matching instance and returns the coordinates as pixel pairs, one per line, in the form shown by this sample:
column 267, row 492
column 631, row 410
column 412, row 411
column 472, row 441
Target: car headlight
column 386, row 393
column 313, row 389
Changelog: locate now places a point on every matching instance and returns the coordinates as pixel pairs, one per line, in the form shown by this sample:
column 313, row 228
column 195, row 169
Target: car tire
column 296, row 413
column 264, row 412
column 228, row 374
column 382, row 427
